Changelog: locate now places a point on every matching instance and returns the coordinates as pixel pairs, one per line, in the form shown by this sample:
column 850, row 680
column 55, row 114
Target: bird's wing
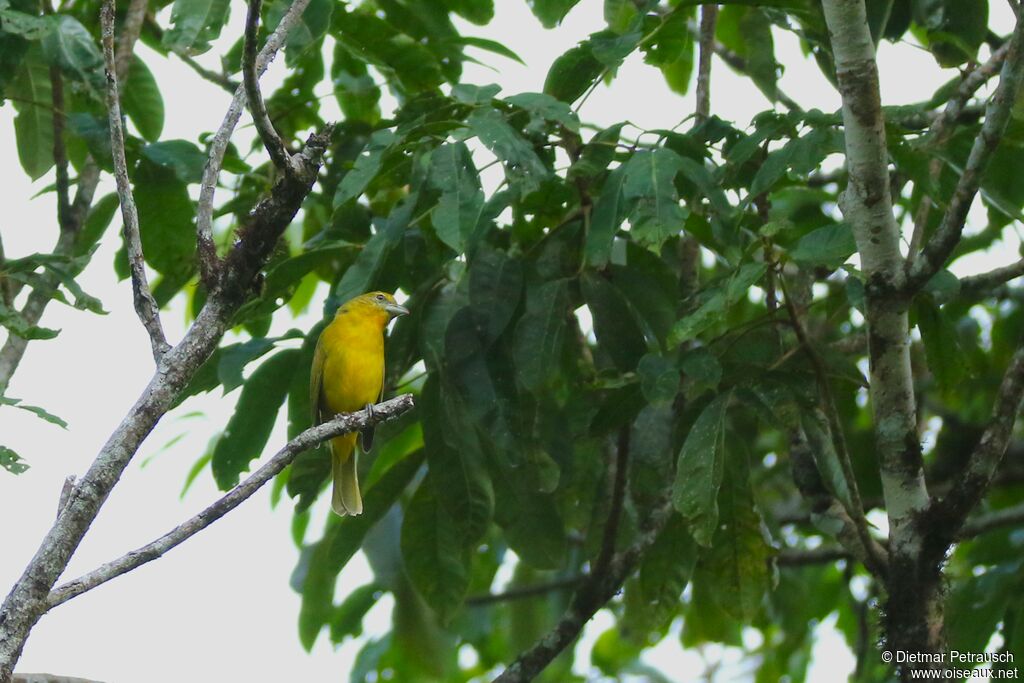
column 316, row 380
column 366, row 434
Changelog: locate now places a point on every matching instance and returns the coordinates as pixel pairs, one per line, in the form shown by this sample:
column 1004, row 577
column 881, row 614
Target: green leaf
column 650, row 452
column 181, row 156
column 523, row 167
column 738, row 559
column 142, row 101
column 533, row 526
column 11, row 461
column 659, row 378
column 819, row 437
column 342, row 539
column 490, row 46
column 614, row 323
column 435, row 556
column 539, row 335
column 16, row 324
column 70, row 46
column 664, row 573
column 941, row 347
column 356, row 91
column 371, row 39
column 747, row 31
column 362, row 274
column 96, row 223
column 597, row 154
column 573, row 73
column 480, row 12
column 650, row 185
column 704, row 317
column 195, row 24
column 165, row 218
column 495, row 289
column 234, row 357
column 699, row 470
column 551, row 12
column 458, row 474
column 36, row 410
column 544, row 107
column 828, row 246
column 366, row 167
column 609, row 212
column 33, row 100
column 458, row 210
column 249, row 428
column 308, row 32
column 348, row 616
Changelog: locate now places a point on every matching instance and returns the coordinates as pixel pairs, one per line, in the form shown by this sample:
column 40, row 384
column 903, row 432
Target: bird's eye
column 380, row 297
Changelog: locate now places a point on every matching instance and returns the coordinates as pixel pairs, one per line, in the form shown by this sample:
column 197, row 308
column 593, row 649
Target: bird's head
column 379, row 304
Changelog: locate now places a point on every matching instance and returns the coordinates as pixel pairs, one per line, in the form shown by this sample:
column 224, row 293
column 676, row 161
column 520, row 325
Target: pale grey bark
column 340, row 424
column 27, row 600
column 145, row 305
column 206, row 249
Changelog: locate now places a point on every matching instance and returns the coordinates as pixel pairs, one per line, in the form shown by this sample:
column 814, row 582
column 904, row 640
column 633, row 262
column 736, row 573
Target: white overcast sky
column 219, row 607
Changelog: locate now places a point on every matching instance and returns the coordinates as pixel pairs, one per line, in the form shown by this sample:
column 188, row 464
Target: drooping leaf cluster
column 574, row 290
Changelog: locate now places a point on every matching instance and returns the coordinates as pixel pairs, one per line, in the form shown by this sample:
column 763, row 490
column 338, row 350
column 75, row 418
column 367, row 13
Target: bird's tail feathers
column 345, row 498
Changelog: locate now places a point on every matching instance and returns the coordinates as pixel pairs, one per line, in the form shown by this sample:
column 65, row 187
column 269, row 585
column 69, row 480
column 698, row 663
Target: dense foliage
column 683, row 301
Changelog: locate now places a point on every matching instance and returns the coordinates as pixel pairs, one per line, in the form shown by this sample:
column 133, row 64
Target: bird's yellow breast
column 353, row 371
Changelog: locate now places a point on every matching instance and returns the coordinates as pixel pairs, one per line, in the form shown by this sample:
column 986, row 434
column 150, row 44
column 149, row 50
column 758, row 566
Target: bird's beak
column 395, row 310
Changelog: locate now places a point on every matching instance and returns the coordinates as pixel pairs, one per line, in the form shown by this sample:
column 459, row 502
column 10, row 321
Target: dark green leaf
column 700, row 468
column 525, row 170
column 165, row 218
column 249, row 428
column 458, row 210
column 142, row 101
column 195, row 24
column 614, row 324
column 551, row 12
column 608, row 214
column 649, row 183
column 540, row 333
column 435, row 557
column 11, row 461
column 181, row 156
column 36, row 410
column 33, row 100
column 70, row 46
column 827, row 246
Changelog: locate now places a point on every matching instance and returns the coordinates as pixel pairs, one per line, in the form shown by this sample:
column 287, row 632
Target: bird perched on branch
column 348, row 375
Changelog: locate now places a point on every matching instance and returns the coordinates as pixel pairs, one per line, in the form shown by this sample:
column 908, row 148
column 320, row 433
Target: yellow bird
column 348, row 375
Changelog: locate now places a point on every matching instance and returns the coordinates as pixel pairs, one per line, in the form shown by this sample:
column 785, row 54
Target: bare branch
column 65, row 493
column 1011, row 516
column 49, row 678
column 949, row 513
column 145, row 305
column 271, row 140
column 596, row 590
column 60, row 157
column 708, row 20
column 982, row 283
column 207, row 252
column 997, row 114
column 341, row 424
column 131, row 27
column 611, row 527
column 26, row 602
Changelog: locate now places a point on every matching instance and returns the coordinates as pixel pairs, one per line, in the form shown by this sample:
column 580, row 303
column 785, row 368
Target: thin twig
column 60, row 156
column 942, row 128
column 271, row 140
column 611, row 527
column 341, row 424
column 997, row 114
column 708, row 20
column 145, row 305
column 522, row 592
column 206, row 250
column 875, row 556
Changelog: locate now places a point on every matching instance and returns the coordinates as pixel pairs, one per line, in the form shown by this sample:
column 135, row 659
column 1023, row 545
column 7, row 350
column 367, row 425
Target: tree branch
column 14, row 347
column 341, row 424
column 978, row 285
column 708, row 20
column 867, row 205
column 131, row 27
column 611, row 527
column 27, row 600
column 1011, row 516
column 997, row 114
column 595, row 591
column 271, row 140
column 874, row 555
column 145, row 305
column 523, row 592
column 948, row 514
column 206, row 250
